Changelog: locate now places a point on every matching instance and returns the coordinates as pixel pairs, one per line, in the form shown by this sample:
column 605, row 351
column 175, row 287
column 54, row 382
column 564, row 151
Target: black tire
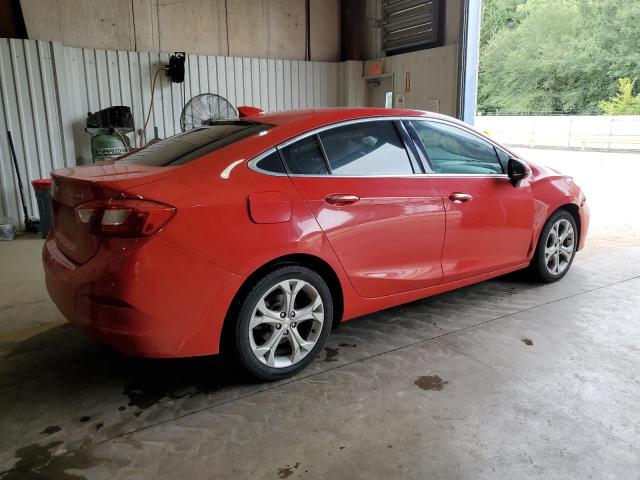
column 241, row 343
column 538, row 267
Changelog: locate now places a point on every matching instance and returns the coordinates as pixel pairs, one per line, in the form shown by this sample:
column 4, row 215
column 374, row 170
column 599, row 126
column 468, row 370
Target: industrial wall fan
column 204, row 109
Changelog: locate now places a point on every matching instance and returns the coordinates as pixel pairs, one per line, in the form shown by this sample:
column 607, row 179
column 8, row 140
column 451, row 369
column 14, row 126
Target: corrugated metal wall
column 29, row 108
column 47, row 90
column 96, row 79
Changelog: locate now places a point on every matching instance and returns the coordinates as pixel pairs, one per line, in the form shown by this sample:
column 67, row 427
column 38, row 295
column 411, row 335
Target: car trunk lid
column 78, row 185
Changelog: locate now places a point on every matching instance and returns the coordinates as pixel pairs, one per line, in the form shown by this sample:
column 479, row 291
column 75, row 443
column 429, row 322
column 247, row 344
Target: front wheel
column 283, row 323
column 556, row 247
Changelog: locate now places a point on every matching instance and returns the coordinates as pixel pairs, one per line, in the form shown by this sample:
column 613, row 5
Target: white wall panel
column 29, row 108
column 47, row 89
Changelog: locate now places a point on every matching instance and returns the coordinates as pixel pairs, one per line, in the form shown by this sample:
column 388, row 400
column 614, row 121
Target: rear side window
column 454, row 150
column 366, row 148
column 191, row 145
column 305, row 157
column 272, row 163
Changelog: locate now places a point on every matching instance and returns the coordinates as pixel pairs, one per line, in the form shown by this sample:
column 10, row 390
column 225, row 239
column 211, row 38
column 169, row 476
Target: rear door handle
column 460, row 197
column 341, row 199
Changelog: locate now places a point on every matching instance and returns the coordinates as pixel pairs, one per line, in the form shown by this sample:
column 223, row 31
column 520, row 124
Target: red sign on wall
column 407, row 81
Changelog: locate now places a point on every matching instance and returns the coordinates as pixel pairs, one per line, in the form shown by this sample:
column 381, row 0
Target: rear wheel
column 283, row 323
column 556, row 247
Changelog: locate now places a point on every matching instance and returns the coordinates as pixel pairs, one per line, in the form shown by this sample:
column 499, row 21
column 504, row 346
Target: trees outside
column 559, row 56
column 625, row 102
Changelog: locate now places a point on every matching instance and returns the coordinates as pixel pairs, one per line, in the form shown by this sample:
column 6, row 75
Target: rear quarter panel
column 214, row 221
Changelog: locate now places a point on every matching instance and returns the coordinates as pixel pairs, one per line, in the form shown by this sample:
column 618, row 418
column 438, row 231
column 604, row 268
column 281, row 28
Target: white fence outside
column 609, row 133
column 47, row 89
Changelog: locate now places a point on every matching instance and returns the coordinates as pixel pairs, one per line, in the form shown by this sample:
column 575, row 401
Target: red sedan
column 255, row 236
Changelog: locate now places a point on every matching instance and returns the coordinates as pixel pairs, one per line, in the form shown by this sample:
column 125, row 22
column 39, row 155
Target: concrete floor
column 504, row 379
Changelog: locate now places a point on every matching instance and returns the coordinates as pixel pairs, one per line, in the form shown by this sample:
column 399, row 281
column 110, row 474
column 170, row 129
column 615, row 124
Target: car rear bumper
column 145, row 298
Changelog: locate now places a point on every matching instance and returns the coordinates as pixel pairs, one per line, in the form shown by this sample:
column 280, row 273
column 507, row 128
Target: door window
column 366, row 148
column 454, row 150
column 305, row 157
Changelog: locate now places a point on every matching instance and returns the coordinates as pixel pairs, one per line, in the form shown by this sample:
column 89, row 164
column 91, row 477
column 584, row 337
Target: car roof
column 303, row 120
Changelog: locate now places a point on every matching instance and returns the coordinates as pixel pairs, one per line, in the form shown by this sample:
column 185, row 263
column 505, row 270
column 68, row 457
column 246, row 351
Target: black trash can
column 42, row 188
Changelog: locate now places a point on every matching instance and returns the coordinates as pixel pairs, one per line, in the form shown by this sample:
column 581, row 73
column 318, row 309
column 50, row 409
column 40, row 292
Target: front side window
column 454, row 150
column 193, row 144
column 305, row 157
column 366, row 148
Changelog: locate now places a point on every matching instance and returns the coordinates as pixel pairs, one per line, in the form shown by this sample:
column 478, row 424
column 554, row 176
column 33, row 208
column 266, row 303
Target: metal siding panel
column 113, row 78
column 23, row 135
column 286, row 74
column 264, row 84
column 158, row 98
column 238, row 81
column 279, row 86
column 302, row 84
column 317, row 84
column 271, row 85
column 255, row 82
column 38, row 116
column 50, row 105
column 222, row 77
column 213, row 74
column 91, row 79
column 168, row 115
column 10, row 199
column 102, row 74
column 246, row 82
column 310, row 94
column 137, row 103
column 231, row 84
column 295, row 89
column 203, row 74
column 145, row 90
column 324, row 69
column 194, row 82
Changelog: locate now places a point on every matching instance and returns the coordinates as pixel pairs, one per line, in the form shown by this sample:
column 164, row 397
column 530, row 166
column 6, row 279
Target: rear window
column 191, row 145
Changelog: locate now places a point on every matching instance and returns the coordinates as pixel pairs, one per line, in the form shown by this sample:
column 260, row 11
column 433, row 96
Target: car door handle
column 459, row 197
column 340, row 199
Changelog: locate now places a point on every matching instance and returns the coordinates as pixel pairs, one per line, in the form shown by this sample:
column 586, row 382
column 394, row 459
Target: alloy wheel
column 286, row 323
column 559, row 247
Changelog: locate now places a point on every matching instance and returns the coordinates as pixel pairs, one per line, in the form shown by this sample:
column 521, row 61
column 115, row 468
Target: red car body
column 168, row 294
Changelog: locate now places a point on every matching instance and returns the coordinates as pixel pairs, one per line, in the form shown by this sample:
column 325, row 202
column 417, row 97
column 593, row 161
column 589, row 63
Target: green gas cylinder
column 108, row 129
column 106, row 145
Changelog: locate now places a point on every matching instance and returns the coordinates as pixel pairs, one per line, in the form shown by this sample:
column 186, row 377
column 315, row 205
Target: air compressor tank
column 108, row 129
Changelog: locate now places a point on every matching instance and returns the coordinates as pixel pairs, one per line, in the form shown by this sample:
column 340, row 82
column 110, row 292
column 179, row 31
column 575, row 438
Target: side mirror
column 516, row 171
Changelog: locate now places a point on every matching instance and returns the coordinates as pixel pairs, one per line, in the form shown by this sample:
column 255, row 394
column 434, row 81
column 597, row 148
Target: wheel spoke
column 313, row 311
column 290, row 289
column 266, row 315
column 299, row 345
column 566, row 252
column 268, row 349
column 548, row 252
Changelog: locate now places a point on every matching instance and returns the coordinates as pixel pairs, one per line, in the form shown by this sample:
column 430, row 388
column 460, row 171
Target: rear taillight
column 124, row 217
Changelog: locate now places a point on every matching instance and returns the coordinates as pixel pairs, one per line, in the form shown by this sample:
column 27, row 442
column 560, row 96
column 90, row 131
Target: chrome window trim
column 252, row 164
